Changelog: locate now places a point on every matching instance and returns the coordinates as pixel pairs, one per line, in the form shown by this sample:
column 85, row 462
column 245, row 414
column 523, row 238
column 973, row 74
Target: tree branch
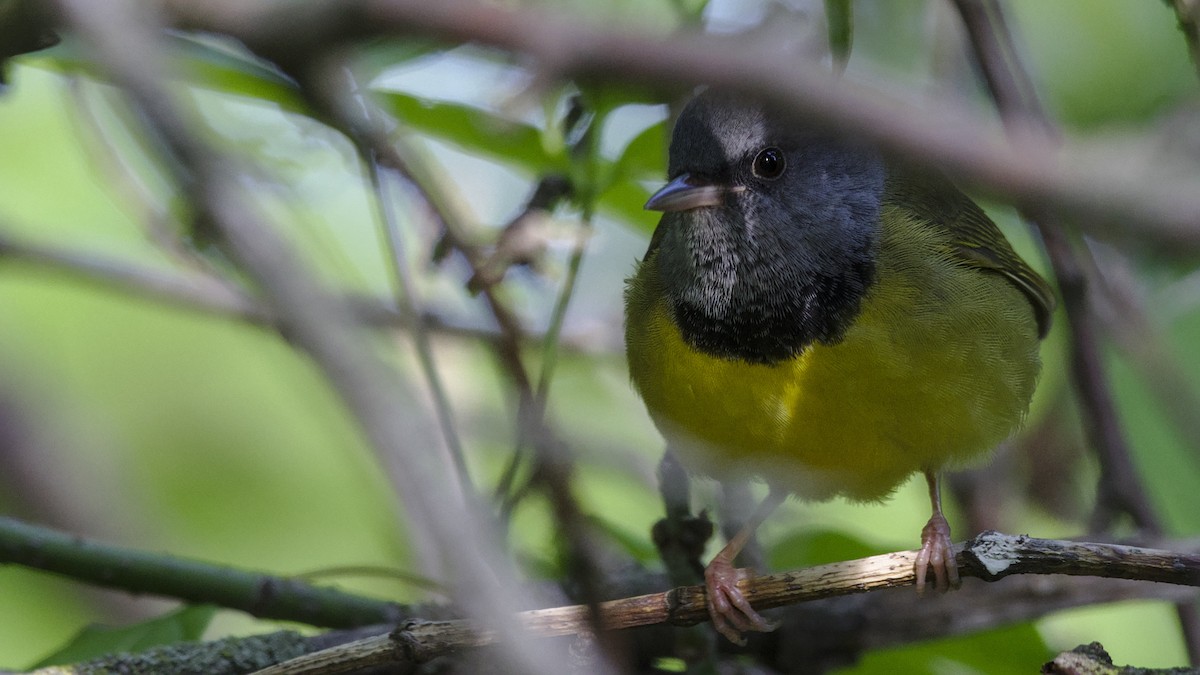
column 193, row 291
column 1026, row 169
column 206, row 294
column 990, row 556
column 263, row 595
column 821, row 607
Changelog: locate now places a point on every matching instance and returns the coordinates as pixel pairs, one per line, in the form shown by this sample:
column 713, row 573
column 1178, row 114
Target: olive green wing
column 975, row 238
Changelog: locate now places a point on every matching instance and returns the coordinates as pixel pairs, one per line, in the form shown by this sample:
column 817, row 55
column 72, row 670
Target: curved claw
column 728, row 608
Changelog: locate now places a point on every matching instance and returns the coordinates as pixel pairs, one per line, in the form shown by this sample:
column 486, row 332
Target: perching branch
column 990, row 556
column 879, row 619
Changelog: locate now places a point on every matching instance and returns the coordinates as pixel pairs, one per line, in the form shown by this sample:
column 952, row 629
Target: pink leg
column 731, row 613
column 937, row 551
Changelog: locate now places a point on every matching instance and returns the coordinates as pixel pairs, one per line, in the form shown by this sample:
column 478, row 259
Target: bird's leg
column 731, row 613
column 937, row 551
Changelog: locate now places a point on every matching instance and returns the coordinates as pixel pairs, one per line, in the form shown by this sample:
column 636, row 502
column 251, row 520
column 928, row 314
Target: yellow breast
column 938, row 367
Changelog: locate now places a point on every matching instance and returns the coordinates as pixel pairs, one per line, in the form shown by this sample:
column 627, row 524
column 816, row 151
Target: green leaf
column 839, row 19
column 214, row 65
column 475, row 131
column 1012, row 649
column 182, row 625
column 376, row 57
column 623, row 200
column 604, row 97
column 622, row 193
column 204, row 63
column 690, row 10
column 645, row 155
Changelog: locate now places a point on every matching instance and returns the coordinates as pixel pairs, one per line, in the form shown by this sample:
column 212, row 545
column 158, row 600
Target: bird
column 826, row 318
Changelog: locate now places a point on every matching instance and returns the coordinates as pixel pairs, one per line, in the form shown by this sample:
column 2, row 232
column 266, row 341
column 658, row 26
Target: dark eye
column 769, row 164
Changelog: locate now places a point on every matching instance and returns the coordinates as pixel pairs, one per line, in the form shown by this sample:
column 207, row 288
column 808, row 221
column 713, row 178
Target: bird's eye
column 769, row 163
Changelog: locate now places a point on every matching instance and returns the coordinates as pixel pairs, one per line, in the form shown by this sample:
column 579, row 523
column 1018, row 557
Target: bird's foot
column 937, row 553
column 731, row 613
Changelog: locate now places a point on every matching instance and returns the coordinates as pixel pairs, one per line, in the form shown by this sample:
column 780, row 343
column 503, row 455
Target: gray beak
column 685, row 193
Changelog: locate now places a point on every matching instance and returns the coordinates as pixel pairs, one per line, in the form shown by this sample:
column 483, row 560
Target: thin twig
column 195, row 291
column 109, row 162
column 549, row 191
column 553, row 335
column 207, row 294
column 329, row 87
column 576, row 123
column 333, row 89
column 409, row 303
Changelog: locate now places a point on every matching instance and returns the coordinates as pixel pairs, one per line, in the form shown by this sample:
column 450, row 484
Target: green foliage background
column 164, row 429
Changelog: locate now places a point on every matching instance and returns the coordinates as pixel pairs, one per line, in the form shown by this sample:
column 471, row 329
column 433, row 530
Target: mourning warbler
column 816, row 315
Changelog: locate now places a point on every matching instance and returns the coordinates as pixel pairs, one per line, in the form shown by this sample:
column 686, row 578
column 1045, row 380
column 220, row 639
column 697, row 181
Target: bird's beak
column 687, row 192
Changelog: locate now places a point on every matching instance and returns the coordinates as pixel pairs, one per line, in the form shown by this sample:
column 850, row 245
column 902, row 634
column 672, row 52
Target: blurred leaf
column 691, row 10
column 1164, row 456
column 623, row 200
column 605, row 97
column 213, row 65
column 644, row 156
column 375, row 57
column 839, row 19
column 475, row 130
column 23, row 29
column 622, row 193
column 817, row 547
column 1071, row 57
column 182, row 625
column 1141, row 632
column 204, row 64
column 1014, row 649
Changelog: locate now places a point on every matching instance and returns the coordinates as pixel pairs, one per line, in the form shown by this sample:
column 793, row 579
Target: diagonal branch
column 1026, row 169
column 449, row 532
